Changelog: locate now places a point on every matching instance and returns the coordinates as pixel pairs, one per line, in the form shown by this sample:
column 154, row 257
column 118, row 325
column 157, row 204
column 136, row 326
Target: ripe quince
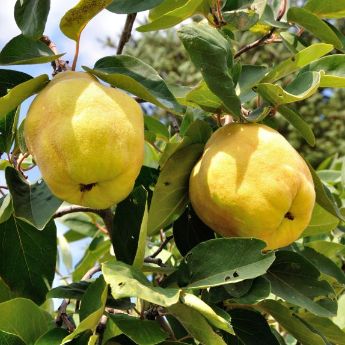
column 87, row 140
column 250, row 182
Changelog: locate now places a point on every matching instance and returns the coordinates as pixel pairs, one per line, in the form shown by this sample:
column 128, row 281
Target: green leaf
column 8, row 128
column 5, row 292
column 9, row 79
column 52, row 337
column 207, row 312
column 170, row 195
column 296, row 280
column 92, row 308
column 98, row 251
column 27, row 258
column 156, row 127
column 142, row 332
column 20, row 93
column 177, row 15
column 20, row 139
column 259, row 113
column 127, row 225
column 305, row 85
column 10, row 339
column 6, row 208
column 136, row 77
column 165, row 7
column 293, row 42
column 241, row 20
column 326, row 9
column 211, row 53
column 25, row 51
column 24, row 319
column 132, row 6
column 33, row 203
column 324, row 264
column 251, row 327
column 31, row 16
column 213, row 262
column 65, row 252
column 195, row 324
column 75, row 20
column 322, row 222
column 126, row 281
column 314, row 25
column 332, row 250
column 301, row 59
column 297, row 121
column 291, row 323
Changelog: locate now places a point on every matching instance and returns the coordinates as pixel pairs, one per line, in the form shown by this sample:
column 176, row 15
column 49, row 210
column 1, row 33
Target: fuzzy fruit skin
column 249, row 182
column 87, row 140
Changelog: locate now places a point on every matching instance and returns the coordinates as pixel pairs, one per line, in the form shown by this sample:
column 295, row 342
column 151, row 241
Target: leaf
column 92, row 308
column 195, row 324
column 31, row 17
column 324, row 264
column 259, row 114
column 301, row 59
column 126, row 281
column 27, row 258
column 251, row 327
column 326, row 9
column 6, row 208
column 34, row 203
column 132, row 6
column 173, row 17
column 189, row 231
column 136, row 77
column 156, row 127
column 322, row 222
column 297, row 121
column 52, row 337
column 10, row 339
column 332, row 250
column 127, row 222
column 75, row 20
column 20, row 93
column 170, row 195
column 97, row 252
column 65, row 252
column 25, row 51
column 302, row 87
column 211, row 53
column 207, row 312
column 314, row 25
column 213, row 262
column 9, row 79
column 291, row 323
column 296, row 280
column 24, row 319
column 8, row 128
column 142, row 332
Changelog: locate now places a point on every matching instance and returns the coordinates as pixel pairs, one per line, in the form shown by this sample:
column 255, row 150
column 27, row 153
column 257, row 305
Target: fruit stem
column 76, row 54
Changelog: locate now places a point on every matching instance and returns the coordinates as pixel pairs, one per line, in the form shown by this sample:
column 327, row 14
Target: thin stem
column 76, row 54
column 20, row 161
column 73, row 209
column 126, row 32
column 89, row 274
column 162, row 245
column 108, row 218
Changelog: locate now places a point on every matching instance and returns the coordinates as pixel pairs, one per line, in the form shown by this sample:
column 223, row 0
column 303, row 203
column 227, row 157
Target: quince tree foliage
column 160, row 268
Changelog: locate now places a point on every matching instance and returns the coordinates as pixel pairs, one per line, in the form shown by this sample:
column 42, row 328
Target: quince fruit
column 250, row 182
column 87, row 140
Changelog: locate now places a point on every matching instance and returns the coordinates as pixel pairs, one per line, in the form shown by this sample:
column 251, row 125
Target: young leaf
column 296, row 280
column 291, row 323
column 132, row 6
column 314, row 24
column 33, row 203
column 25, row 51
column 31, row 17
column 297, row 121
column 20, row 93
column 136, row 77
column 326, row 9
column 126, row 281
column 24, row 319
column 75, row 20
column 142, row 332
column 27, row 258
column 210, row 52
column 251, row 327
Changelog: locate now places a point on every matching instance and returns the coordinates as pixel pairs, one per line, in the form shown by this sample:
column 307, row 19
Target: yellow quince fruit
column 87, row 140
column 250, row 182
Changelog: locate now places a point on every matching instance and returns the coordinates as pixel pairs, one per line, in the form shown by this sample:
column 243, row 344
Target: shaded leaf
column 132, row 6
column 31, row 16
column 33, row 203
column 10, row 78
column 8, row 128
column 6, row 208
column 25, row 51
column 10, row 339
column 52, row 337
column 27, row 258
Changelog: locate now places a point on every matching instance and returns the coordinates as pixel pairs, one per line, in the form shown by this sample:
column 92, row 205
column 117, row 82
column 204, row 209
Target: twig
column 62, row 317
column 139, row 100
column 3, row 187
column 89, row 274
column 266, row 39
column 156, row 261
column 73, row 209
column 126, row 32
column 108, row 218
column 162, row 245
column 20, row 161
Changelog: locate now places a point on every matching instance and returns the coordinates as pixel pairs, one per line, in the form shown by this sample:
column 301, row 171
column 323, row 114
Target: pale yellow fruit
column 250, row 182
column 87, row 140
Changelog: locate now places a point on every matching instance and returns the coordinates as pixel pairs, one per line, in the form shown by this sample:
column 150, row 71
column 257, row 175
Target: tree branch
column 152, row 259
column 126, row 32
column 74, row 209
